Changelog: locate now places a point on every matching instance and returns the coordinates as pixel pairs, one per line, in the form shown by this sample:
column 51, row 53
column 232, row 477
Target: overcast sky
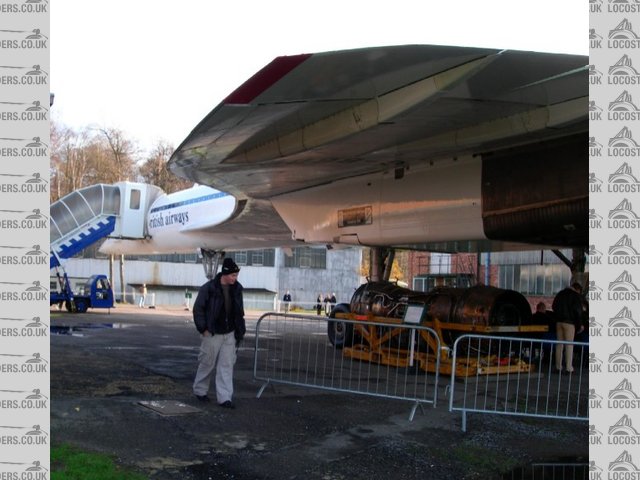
column 155, row 68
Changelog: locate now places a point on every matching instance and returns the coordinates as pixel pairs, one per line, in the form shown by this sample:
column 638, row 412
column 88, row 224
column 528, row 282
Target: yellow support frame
column 373, row 350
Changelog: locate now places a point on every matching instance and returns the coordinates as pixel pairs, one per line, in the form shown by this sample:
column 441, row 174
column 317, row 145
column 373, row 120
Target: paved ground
column 105, row 364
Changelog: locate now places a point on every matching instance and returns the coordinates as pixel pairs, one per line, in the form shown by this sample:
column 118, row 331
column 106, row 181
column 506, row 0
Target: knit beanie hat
column 229, row 266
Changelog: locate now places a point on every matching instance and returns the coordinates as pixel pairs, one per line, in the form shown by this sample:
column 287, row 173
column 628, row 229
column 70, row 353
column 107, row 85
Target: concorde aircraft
column 415, row 146
column 196, row 218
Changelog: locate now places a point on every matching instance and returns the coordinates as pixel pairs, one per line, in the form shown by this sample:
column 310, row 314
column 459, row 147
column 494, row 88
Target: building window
column 306, row 257
column 543, row 280
column 260, row 258
column 241, row 257
column 440, row 263
column 265, row 257
column 257, row 257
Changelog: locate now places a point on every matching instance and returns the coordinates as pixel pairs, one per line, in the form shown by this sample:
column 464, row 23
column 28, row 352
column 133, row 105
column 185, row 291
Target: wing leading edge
column 398, row 119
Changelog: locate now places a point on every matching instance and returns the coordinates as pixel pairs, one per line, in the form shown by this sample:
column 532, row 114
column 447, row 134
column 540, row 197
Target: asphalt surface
column 104, row 364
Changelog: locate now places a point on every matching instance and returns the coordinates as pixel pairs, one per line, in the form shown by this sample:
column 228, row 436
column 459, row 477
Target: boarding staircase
column 89, row 214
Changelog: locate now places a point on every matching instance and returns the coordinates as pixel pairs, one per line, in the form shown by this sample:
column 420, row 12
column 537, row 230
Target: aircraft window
column 134, row 201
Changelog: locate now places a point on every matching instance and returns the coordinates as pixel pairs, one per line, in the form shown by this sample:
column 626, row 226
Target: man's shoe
column 203, row 398
column 227, row 404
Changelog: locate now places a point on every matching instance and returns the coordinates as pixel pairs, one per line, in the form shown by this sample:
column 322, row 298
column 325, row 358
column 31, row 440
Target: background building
column 265, row 274
column 537, row 274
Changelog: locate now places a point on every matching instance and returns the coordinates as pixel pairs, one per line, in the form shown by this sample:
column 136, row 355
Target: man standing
column 567, row 310
column 286, row 300
column 143, row 295
column 218, row 313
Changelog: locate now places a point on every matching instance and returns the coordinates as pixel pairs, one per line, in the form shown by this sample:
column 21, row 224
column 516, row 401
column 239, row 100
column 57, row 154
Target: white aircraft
column 423, row 147
column 407, row 146
column 199, row 217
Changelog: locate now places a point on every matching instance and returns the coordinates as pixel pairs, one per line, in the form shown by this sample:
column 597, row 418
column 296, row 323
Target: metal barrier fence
column 518, row 376
column 295, row 350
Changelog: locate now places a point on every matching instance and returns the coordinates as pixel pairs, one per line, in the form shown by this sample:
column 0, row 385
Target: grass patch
column 70, row 463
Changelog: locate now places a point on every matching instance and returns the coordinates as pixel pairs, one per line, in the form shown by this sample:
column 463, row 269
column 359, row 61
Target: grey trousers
column 217, row 352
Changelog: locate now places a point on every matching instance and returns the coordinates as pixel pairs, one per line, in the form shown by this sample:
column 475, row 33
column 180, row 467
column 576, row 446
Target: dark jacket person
column 567, row 309
column 218, row 314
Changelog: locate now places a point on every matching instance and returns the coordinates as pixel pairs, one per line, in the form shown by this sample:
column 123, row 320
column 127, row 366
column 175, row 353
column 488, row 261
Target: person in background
column 319, row 304
column 143, row 295
column 544, row 317
column 286, row 299
column 327, row 304
column 567, row 309
column 218, row 314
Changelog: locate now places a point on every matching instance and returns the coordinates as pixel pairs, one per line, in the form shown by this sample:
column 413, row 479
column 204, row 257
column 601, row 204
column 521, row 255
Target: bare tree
column 59, row 138
column 154, row 170
column 88, row 157
column 71, row 166
column 398, row 269
column 115, row 156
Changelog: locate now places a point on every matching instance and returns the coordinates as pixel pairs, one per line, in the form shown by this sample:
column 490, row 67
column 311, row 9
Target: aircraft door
column 136, row 199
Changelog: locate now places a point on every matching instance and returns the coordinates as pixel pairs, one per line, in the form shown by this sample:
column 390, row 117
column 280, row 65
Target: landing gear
column 210, row 261
column 381, row 261
column 577, row 266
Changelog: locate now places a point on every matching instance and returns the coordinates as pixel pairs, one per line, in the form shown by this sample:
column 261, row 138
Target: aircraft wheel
column 340, row 333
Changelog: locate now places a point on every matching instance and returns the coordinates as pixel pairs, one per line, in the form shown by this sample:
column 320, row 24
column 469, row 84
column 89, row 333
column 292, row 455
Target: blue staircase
column 81, row 218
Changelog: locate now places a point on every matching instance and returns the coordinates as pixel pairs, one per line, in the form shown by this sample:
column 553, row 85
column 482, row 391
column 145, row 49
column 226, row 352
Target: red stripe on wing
column 265, row 78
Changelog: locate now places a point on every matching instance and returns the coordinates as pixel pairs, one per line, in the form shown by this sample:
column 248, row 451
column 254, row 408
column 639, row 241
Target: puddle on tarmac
column 78, row 329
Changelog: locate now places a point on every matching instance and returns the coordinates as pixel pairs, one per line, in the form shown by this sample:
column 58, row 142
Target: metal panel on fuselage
column 427, row 203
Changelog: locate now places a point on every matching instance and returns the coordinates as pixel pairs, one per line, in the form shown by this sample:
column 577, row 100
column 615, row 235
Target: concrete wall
column 342, row 277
